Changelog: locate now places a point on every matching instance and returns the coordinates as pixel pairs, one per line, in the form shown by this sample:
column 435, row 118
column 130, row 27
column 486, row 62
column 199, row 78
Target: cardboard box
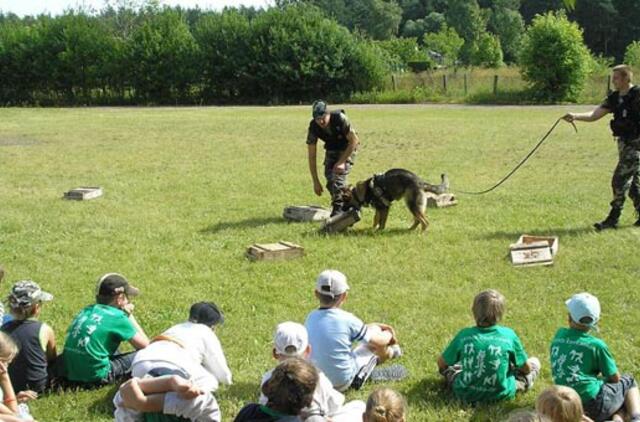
column 531, row 251
column 84, row 193
column 274, row 251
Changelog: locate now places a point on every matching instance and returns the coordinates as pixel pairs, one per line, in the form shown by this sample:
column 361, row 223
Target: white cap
column 290, row 339
column 331, row 283
column 584, row 305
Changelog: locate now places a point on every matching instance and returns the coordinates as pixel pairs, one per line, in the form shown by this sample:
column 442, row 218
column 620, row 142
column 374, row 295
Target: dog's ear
column 361, row 190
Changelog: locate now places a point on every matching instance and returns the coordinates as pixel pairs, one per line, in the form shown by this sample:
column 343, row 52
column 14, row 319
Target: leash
column 521, row 163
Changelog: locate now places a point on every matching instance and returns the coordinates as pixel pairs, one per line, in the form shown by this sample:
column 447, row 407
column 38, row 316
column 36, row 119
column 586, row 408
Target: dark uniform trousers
column 627, row 173
column 336, row 181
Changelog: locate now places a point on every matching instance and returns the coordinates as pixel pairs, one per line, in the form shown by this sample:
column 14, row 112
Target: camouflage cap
column 26, row 293
column 319, row 109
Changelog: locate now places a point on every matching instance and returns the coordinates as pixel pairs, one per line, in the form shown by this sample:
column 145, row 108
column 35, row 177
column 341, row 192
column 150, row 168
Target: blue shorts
column 609, row 400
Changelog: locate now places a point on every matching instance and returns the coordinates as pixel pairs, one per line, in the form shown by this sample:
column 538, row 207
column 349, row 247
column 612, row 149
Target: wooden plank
column 83, row 193
column 274, row 251
column 306, row 213
column 533, row 250
column 441, row 201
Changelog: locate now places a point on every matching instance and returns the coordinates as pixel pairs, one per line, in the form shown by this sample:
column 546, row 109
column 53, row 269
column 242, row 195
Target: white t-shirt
column 199, row 354
column 332, row 333
column 326, row 400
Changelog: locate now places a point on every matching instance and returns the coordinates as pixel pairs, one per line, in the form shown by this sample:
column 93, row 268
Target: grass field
column 188, row 189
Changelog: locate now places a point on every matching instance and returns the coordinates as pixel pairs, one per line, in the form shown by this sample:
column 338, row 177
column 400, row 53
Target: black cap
column 112, row 284
column 318, row 109
column 206, row 313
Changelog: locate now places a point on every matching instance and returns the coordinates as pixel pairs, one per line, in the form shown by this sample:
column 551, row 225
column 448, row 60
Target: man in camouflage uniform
column 624, row 103
column 340, row 144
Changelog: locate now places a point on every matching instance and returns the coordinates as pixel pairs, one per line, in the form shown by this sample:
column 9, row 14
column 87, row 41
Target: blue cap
column 584, row 309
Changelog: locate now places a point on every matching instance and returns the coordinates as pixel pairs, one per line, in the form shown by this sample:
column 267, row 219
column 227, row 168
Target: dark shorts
column 609, row 400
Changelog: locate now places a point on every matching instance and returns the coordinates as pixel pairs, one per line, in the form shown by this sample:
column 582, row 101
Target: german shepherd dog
column 382, row 189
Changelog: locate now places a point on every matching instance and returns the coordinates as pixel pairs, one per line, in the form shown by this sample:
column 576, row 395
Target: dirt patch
column 19, row 142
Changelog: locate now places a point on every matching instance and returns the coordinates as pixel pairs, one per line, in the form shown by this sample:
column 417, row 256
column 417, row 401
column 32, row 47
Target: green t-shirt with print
column 93, row 337
column 488, row 356
column 577, row 358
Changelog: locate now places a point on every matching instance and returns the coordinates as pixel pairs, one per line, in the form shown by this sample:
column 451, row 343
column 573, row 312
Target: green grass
column 188, row 189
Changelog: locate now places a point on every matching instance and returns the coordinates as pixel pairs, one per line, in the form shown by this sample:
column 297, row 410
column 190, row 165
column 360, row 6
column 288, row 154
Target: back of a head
column 488, row 308
column 386, row 405
column 560, row 404
column 291, row 386
column 8, row 348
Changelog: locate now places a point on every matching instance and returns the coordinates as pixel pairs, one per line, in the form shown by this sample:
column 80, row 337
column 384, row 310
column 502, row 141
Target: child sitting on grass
column 91, row 357
column 291, row 340
column 561, row 404
column 332, row 331
column 385, row 405
column 487, row 363
column 578, row 359
column 9, row 401
column 36, row 340
column 289, row 390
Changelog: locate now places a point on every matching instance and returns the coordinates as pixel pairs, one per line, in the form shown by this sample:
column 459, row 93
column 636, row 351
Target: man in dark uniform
column 624, row 103
column 340, row 144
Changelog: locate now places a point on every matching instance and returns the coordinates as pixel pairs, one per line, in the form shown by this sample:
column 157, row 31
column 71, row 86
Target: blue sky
column 54, row 7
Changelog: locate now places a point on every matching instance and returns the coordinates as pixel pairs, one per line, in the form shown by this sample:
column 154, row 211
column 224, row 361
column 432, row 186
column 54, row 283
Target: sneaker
column 396, row 351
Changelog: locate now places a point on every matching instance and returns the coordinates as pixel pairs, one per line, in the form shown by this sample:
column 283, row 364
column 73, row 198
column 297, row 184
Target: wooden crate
column 83, row 193
column 531, row 251
column 274, row 251
column 441, row 201
column 341, row 222
column 306, row 213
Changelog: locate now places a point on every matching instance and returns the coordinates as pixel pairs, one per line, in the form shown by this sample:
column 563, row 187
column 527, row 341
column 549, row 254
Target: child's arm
column 378, row 337
column 50, row 343
column 614, row 378
column 442, row 365
column 5, row 384
column 525, row 369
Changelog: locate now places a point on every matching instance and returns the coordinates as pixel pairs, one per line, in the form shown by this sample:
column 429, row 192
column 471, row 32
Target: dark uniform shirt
column 625, row 108
column 334, row 135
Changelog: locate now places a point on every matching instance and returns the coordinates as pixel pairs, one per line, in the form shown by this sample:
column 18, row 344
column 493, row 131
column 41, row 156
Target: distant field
column 188, row 189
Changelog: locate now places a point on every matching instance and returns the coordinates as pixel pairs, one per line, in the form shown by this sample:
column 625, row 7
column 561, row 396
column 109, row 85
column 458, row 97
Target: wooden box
column 441, row 201
column 83, row 193
column 306, row 213
column 274, row 251
column 531, row 251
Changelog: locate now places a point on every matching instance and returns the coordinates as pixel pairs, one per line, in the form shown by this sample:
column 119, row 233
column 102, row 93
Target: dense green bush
column 446, row 42
column 487, row 52
column 553, row 58
column 632, row 54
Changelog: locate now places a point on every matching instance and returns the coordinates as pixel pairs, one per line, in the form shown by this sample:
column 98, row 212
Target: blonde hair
column 8, row 348
column 488, row 308
column 386, row 405
column 624, row 70
column 560, row 404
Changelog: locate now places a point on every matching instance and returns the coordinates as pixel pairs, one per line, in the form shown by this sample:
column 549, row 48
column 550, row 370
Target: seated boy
column 95, row 334
column 36, row 340
column 487, row 363
column 332, row 332
column 291, row 340
column 578, row 358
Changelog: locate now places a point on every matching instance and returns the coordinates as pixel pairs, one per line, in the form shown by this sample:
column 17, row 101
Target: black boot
column 611, row 222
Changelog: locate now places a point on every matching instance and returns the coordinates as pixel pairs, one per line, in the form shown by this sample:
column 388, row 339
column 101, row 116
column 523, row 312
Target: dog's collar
column 378, row 192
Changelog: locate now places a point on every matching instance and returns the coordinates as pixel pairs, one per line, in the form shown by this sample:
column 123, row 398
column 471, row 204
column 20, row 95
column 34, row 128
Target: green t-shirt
column 93, row 337
column 488, row 356
column 577, row 358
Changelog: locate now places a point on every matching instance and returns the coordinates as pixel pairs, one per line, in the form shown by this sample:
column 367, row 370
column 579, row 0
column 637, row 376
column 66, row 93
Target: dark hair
column 329, row 300
column 291, row 386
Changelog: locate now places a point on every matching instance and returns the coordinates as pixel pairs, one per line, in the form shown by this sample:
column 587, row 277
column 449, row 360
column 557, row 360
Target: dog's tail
column 437, row 189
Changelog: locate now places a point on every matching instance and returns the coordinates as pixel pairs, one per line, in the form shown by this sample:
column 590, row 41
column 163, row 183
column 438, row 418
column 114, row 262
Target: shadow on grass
column 431, row 392
column 242, row 224
column 513, row 236
column 367, row 232
column 104, row 404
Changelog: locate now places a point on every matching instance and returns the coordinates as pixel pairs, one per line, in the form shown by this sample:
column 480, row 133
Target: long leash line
column 521, row 163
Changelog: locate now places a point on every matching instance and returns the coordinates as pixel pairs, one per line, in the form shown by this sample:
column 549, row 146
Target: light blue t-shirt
column 332, row 333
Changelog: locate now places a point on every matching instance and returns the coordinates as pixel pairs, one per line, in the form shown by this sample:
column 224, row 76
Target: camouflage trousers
column 627, row 174
column 336, row 181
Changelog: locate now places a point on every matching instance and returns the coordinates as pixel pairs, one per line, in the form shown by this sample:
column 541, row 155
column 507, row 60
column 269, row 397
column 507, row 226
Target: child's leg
column 202, row 408
column 133, row 396
column 632, row 403
column 124, row 414
column 525, row 382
